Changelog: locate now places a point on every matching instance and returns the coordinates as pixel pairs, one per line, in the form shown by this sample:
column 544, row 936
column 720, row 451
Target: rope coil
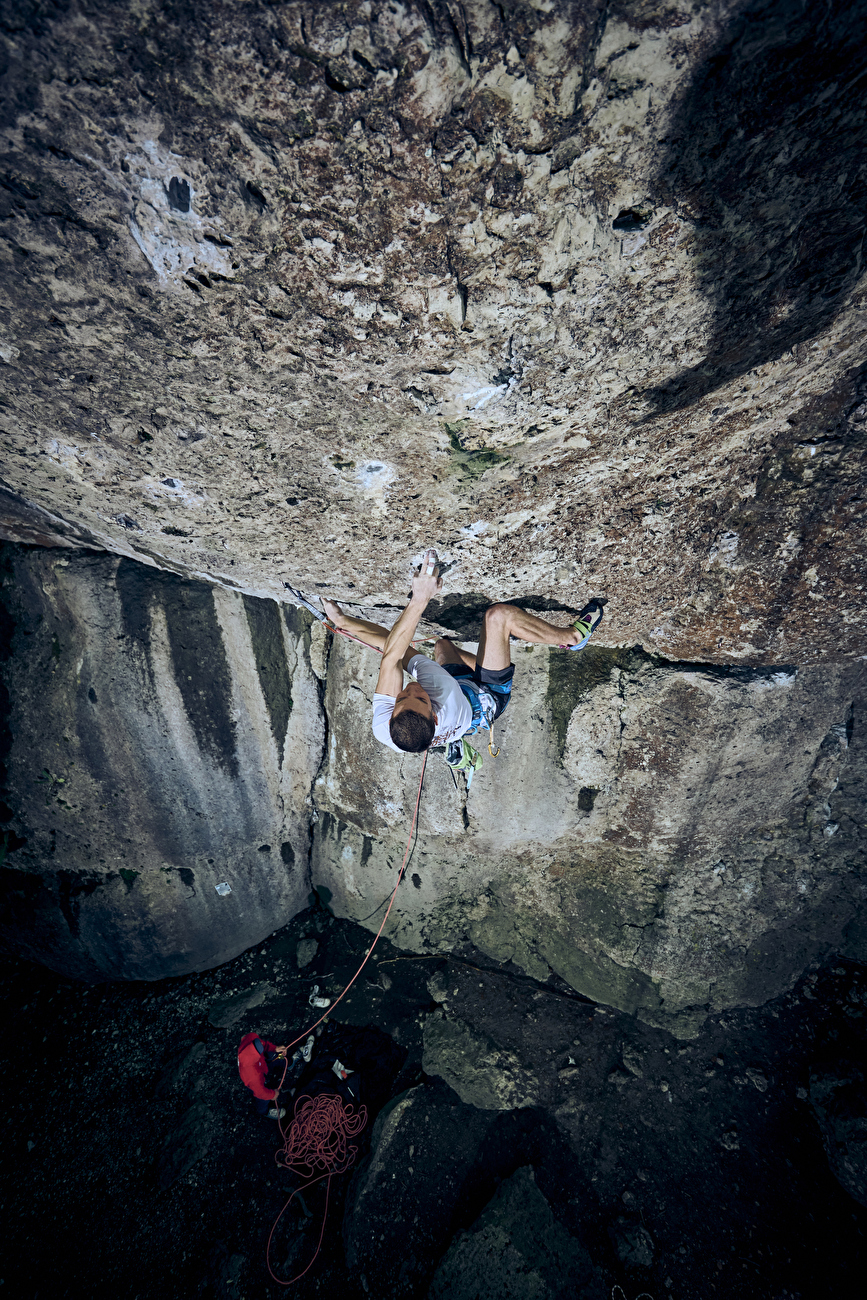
column 317, row 1136
column 317, row 1147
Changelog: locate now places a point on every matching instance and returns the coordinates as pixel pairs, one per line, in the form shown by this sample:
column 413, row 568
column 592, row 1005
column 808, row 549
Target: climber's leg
column 446, row 652
column 504, row 621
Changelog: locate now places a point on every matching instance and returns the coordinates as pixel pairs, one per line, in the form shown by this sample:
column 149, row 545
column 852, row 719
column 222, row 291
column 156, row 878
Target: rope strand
column 317, row 1136
column 378, row 933
column 317, row 1140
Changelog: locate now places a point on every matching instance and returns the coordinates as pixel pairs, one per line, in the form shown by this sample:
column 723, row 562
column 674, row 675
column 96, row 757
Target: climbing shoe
column 587, row 622
column 276, row 1113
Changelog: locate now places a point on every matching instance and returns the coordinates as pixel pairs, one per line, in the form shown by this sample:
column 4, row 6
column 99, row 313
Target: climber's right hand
column 427, row 582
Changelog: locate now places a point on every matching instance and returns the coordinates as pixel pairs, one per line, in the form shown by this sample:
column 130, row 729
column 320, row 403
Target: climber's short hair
column 411, row 731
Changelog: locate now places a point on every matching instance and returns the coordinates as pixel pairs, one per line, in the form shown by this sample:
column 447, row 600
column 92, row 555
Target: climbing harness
column 460, row 754
column 317, row 1134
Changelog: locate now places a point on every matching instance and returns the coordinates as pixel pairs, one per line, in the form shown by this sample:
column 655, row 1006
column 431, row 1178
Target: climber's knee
column 498, row 618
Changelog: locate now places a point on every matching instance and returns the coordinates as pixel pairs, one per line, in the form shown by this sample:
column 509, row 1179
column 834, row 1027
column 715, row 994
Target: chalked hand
column 427, row 581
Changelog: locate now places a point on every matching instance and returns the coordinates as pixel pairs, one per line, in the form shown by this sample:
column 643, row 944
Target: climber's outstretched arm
column 396, row 651
column 395, row 644
column 370, row 633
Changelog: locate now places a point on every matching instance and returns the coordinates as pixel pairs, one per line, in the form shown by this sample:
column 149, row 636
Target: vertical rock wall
column 669, row 838
column 163, row 738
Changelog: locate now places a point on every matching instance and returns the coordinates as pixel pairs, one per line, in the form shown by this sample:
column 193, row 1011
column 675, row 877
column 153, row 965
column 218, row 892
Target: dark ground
column 135, row 1165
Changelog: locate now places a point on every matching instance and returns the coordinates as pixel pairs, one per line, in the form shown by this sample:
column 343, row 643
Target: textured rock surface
column 423, row 1138
column 163, row 739
column 516, row 1250
column 601, row 1152
column 572, row 290
column 669, row 838
column 482, row 1074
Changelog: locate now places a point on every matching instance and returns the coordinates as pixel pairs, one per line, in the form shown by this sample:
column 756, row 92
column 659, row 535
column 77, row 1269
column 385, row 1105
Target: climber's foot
column 587, row 622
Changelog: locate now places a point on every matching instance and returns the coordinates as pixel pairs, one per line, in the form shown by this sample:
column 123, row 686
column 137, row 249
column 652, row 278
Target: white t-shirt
column 451, row 706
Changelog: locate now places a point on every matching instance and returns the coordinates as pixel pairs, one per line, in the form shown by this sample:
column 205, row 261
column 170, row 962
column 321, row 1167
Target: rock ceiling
column 572, row 291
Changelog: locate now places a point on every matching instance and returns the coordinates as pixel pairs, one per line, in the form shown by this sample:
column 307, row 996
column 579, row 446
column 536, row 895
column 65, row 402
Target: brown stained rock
column 571, row 292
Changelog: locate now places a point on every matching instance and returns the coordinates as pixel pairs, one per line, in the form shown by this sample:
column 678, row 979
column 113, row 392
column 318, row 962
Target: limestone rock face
column 671, row 838
column 573, row 291
column 163, row 738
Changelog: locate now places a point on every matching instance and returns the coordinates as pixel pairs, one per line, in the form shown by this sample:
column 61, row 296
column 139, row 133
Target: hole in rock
column 253, row 192
column 179, row 194
column 631, row 219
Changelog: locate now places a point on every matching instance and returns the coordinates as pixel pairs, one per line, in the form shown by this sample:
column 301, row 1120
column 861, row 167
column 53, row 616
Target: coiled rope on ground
column 317, row 1147
column 318, row 1135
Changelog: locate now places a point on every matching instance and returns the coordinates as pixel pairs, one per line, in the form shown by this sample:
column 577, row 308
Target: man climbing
column 446, row 699
column 256, row 1057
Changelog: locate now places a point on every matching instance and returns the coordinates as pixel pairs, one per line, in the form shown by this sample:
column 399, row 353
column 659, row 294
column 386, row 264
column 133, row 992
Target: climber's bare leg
column 446, row 652
column 503, row 621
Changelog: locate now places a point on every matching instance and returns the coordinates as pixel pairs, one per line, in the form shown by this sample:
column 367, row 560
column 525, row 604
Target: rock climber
column 256, row 1058
column 444, row 699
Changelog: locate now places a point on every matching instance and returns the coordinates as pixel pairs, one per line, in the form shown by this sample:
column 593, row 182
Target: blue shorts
column 496, row 680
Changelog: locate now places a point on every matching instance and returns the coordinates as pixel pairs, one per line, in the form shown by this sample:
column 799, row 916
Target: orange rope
column 378, row 933
column 317, row 1140
column 317, row 1135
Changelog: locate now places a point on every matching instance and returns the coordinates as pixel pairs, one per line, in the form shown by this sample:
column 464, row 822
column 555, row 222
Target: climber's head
column 413, row 721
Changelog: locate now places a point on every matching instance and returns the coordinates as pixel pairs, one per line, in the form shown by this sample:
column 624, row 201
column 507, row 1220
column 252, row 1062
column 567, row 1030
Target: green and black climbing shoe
column 587, row 622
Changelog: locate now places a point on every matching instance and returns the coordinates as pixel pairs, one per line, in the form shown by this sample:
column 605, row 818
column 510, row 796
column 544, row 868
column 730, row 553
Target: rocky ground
column 137, row 1167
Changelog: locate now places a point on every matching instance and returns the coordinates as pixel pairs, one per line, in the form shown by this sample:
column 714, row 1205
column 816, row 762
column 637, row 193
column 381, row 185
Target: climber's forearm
column 400, row 637
column 396, row 651
column 370, row 633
